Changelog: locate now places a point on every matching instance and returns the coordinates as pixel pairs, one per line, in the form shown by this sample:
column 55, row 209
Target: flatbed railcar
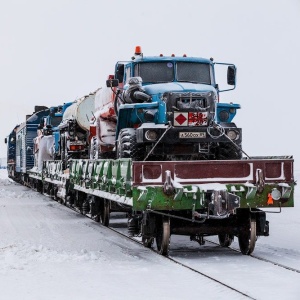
column 192, row 198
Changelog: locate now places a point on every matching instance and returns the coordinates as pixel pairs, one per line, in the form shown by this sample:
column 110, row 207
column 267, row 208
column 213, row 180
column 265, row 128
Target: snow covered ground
column 48, row 251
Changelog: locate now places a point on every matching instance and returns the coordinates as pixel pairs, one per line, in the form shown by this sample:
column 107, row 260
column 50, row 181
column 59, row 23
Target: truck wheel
column 94, row 149
column 227, row 151
column 127, row 146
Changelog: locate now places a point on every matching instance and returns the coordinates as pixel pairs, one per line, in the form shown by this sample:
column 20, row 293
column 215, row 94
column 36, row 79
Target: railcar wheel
column 225, row 239
column 63, row 201
column 163, row 236
column 247, row 237
column 105, row 213
column 147, row 242
column 39, row 186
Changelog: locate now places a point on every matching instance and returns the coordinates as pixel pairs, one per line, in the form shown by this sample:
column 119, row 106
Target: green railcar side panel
column 258, row 183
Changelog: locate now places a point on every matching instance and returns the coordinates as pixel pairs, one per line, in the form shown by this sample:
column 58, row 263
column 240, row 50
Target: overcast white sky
column 54, row 51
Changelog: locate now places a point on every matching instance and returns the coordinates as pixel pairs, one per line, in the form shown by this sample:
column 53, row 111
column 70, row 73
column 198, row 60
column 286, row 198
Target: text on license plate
column 192, row 135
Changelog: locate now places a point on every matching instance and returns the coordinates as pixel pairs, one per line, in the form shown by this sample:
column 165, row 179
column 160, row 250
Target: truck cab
column 168, row 109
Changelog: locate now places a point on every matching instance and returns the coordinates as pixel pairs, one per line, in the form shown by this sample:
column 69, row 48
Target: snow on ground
column 48, row 251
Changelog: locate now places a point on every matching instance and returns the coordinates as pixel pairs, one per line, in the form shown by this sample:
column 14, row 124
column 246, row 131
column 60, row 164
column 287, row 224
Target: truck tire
column 227, row 151
column 94, row 148
column 127, row 146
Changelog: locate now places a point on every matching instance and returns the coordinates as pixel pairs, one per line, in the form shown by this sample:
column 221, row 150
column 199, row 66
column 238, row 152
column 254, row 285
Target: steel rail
column 259, row 258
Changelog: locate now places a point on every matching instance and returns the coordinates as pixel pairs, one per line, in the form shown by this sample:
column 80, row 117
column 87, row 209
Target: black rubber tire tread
column 94, row 150
column 127, row 146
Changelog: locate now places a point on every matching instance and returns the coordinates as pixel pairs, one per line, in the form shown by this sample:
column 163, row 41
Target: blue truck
column 50, row 126
column 168, row 109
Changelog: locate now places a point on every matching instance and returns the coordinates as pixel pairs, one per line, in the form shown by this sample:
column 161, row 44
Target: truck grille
column 191, row 103
column 190, row 109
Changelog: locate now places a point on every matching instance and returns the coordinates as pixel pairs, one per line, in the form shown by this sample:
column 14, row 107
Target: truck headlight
column 232, row 134
column 223, row 115
column 151, row 135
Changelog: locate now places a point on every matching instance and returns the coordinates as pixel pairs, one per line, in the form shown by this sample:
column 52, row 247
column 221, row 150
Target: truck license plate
column 192, row 135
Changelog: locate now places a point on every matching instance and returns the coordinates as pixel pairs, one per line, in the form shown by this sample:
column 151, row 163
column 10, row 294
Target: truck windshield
column 155, row 72
column 55, row 121
column 193, row 72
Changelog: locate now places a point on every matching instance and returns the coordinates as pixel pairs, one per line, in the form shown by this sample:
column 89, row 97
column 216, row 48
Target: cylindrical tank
column 81, row 110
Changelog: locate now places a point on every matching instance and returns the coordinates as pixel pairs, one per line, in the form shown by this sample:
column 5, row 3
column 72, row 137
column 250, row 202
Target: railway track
column 117, row 230
column 118, row 225
column 187, row 249
column 260, row 258
column 231, row 248
column 122, row 230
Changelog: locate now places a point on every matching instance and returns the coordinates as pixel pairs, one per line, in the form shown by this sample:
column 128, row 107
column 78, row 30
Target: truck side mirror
column 231, row 73
column 112, row 83
column 120, row 72
column 5, row 140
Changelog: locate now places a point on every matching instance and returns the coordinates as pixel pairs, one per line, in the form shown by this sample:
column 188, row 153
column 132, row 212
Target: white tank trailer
column 75, row 128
